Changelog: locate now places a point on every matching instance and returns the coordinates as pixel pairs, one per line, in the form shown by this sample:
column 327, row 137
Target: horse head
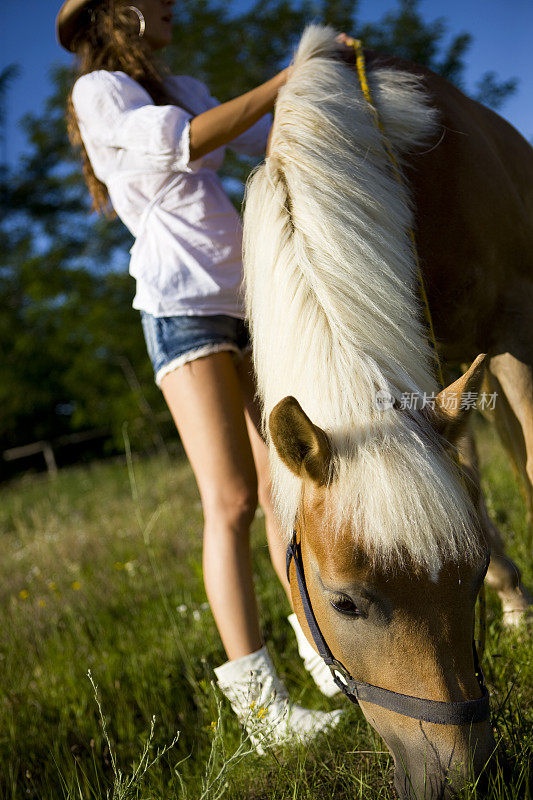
column 392, row 623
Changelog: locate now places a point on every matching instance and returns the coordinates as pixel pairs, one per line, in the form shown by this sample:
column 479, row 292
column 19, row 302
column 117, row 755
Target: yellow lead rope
column 361, row 71
column 396, row 171
column 481, row 627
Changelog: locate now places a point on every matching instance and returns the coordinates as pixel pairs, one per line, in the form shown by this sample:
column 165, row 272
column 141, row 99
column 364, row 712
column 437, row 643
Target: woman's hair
column 110, row 41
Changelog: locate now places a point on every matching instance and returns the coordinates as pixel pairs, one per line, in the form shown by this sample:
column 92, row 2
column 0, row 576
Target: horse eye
column 344, row 605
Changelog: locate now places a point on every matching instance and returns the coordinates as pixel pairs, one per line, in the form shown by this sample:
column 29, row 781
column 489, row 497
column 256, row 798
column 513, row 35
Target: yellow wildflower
column 24, row 594
column 76, row 586
column 41, row 603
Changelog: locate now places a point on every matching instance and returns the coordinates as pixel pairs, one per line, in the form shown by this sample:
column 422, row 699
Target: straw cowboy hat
column 72, row 16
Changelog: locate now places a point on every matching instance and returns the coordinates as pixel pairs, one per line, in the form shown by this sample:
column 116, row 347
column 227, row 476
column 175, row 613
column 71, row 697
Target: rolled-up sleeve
column 115, row 111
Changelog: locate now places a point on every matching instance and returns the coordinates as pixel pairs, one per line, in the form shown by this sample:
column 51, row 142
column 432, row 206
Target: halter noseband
column 436, row 711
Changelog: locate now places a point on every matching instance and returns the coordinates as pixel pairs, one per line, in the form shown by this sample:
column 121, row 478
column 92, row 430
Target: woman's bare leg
column 205, row 399
column 276, row 543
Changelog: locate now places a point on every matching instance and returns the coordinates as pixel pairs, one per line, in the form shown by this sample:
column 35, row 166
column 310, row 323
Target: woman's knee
column 232, row 508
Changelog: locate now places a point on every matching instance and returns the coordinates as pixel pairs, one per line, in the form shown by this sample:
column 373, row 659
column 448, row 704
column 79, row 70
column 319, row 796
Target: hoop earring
column 142, row 22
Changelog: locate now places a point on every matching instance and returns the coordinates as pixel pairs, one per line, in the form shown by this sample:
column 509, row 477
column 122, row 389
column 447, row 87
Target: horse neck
column 330, row 271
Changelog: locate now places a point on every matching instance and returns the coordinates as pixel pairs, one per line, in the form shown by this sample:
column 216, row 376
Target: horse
column 393, row 537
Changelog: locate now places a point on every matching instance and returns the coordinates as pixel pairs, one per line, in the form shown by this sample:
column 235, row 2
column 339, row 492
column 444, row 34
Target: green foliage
column 7, row 75
column 494, row 93
column 71, row 346
column 66, row 323
column 340, row 14
column 403, row 32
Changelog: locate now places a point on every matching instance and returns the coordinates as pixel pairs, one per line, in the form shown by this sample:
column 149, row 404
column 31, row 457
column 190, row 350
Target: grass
column 101, row 572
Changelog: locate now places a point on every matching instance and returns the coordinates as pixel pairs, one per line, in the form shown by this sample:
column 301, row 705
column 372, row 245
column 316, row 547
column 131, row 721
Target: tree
column 404, row 33
column 7, row 75
column 63, row 271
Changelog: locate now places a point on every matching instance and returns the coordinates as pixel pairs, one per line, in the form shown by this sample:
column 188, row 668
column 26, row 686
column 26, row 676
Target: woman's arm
column 222, row 124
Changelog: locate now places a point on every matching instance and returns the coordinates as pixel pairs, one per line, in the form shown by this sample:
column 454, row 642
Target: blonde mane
column 335, row 317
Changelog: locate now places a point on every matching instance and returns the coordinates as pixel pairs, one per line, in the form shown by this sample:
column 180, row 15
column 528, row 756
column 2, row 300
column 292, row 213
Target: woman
column 151, row 144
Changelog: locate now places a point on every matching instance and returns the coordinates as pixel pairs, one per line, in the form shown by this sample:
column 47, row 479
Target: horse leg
column 512, row 379
column 503, row 574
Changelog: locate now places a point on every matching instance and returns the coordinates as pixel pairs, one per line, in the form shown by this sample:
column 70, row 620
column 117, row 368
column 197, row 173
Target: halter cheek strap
column 436, row 711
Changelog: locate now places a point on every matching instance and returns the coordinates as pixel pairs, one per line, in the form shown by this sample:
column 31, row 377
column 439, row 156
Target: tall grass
column 101, row 571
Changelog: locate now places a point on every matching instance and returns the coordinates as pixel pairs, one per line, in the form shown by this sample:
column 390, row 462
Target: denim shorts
column 174, row 341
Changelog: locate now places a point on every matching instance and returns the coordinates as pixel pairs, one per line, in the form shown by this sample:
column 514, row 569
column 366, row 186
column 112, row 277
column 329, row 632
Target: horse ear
column 302, row 446
column 453, row 404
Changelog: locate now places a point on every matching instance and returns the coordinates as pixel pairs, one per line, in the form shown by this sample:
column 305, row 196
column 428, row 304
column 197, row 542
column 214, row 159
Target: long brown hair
column 110, row 41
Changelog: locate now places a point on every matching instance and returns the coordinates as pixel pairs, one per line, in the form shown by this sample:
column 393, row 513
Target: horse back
column 473, row 197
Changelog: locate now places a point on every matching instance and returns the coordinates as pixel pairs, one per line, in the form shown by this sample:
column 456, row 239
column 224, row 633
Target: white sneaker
column 261, row 703
column 312, row 661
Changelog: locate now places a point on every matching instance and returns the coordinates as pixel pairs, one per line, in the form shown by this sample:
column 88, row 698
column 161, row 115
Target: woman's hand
column 285, row 74
column 346, row 48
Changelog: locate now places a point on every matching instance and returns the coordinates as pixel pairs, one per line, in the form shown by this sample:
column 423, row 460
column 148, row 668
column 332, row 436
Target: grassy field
column 101, row 573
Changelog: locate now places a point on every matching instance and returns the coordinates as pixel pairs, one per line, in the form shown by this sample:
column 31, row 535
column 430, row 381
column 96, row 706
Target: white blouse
column 188, row 237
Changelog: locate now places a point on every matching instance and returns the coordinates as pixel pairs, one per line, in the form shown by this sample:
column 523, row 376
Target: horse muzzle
column 438, row 767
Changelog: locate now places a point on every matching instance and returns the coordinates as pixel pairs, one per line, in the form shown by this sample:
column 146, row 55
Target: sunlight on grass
column 101, row 572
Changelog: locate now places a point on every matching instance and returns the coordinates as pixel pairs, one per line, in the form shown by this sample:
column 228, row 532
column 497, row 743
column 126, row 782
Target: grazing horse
column 392, row 540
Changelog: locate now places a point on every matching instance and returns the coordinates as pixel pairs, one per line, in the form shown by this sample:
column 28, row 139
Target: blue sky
column 502, row 31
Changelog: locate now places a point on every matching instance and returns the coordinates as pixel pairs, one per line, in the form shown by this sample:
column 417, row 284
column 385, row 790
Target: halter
column 436, row 711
